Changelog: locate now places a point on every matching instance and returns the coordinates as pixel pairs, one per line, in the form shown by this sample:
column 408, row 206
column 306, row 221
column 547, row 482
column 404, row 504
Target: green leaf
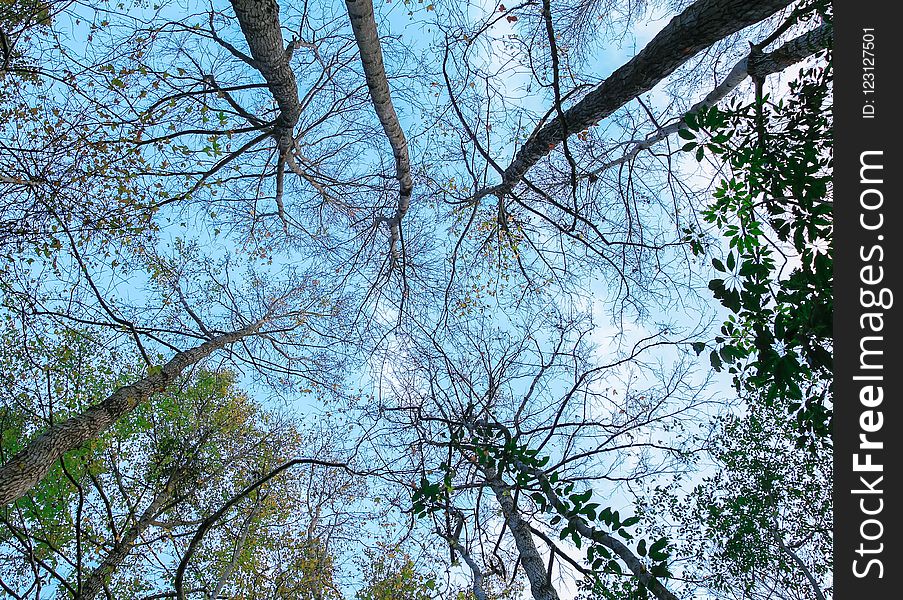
column 630, row 521
column 690, row 120
column 660, row 570
column 657, row 547
column 658, row 555
column 582, row 497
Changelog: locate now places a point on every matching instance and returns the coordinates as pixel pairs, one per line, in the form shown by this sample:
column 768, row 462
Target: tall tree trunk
column 95, row 582
column 28, row 466
column 259, row 22
column 540, row 579
column 699, row 26
column 363, row 24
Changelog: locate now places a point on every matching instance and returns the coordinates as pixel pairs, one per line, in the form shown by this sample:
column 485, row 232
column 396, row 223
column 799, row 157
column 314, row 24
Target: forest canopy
column 416, row 300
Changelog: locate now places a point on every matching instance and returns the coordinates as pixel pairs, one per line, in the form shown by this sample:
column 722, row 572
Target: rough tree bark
column 363, row 24
column 699, row 26
column 259, row 22
column 28, row 466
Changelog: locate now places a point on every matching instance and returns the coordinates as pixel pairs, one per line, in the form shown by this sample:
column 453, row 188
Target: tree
column 763, row 520
column 517, row 432
column 189, row 447
column 391, row 577
column 470, row 259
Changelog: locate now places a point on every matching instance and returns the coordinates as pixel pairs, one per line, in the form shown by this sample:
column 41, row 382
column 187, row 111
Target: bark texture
column 28, row 466
column 363, row 24
column 540, row 584
column 758, row 66
column 699, row 26
column 259, row 22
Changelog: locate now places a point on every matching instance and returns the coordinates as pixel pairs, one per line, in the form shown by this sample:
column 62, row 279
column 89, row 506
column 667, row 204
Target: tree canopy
column 415, row 299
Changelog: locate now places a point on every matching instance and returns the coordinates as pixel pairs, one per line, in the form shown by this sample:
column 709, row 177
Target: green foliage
column 613, row 589
column 195, row 444
column 776, row 203
column 767, row 499
column 145, row 200
column 306, row 570
column 394, row 576
column 25, row 12
column 495, row 450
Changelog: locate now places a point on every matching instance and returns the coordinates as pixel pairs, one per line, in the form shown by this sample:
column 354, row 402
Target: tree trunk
column 28, row 466
column 699, row 26
column 540, row 579
column 95, row 582
column 259, row 22
column 766, row 64
column 363, row 24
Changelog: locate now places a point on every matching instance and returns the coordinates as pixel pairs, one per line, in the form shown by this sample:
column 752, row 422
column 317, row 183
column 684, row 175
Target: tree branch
column 766, row 64
column 212, row 519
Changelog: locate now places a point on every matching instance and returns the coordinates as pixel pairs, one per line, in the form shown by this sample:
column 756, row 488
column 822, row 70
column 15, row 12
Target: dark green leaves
column 775, row 202
column 657, row 551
